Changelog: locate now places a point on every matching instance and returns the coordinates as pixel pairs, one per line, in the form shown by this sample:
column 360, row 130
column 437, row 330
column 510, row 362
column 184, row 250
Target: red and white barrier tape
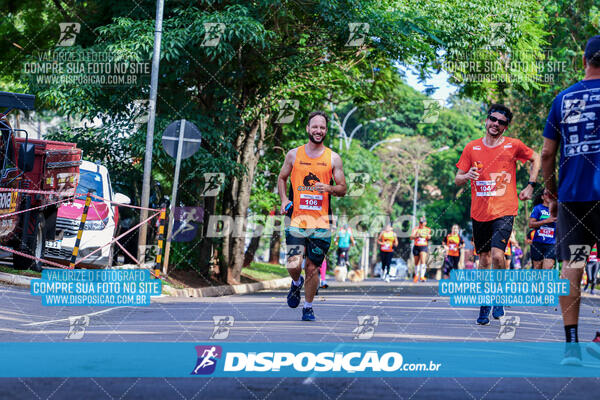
column 118, row 237
column 35, row 208
column 124, row 205
column 46, row 192
column 33, row 257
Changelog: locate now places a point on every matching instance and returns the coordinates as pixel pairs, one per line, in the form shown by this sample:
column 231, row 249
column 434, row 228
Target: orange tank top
column 311, row 208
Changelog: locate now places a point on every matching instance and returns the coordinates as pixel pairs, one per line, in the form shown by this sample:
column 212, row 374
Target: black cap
column 592, row 48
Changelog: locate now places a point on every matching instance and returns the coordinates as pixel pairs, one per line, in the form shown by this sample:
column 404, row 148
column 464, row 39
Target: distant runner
column 542, row 246
column 421, row 236
column 344, row 239
column 453, row 244
column 490, row 164
column 312, row 167
column 387, row 240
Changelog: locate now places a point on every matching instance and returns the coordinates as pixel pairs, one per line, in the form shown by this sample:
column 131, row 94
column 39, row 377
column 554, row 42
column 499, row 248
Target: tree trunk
column 251, row 251
column 249, row 158
column 275, row 247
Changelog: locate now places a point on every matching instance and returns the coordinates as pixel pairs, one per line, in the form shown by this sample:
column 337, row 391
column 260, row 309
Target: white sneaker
column 387, row 279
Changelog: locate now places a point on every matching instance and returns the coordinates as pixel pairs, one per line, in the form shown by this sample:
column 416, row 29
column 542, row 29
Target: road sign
column 192, row 138
column 181, row 140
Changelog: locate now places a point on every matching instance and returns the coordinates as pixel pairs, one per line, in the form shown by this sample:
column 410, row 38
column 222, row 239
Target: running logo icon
column 212, row 183
column 207, row 359
column 68, row 33
column 222, row 326
column 77, row 326
column 358, row 32
column 431, row 110
column 357, row 183
column 213, row 32
column 579, row 254
column 508, row 327
column 287, row 111
column 499, row 32
column 366, row 326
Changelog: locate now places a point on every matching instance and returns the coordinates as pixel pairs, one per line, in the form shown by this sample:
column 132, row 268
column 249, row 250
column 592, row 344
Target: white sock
column 307, row 304
column 297, row 283
column 422, row 270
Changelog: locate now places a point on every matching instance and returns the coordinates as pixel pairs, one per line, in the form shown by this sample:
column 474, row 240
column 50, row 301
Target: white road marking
column 67, row 319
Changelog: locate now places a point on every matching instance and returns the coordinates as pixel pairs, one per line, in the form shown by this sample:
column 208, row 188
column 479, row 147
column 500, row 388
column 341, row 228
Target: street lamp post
column 342, row 128
column 394, row 140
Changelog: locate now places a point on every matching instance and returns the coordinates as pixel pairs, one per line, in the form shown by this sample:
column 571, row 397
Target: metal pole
column 174, row 195
column 150, row 132
column 414, row 212
column 88, row 201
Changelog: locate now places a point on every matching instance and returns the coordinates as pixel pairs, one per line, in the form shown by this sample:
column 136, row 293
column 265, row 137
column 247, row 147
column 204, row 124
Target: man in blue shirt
column 574, row 125
column 542, row 246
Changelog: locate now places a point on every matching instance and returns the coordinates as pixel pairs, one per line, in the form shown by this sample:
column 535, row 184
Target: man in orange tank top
column 489, row 164
column 311, row 168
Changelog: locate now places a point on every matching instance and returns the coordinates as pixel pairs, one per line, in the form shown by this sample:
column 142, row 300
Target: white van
column 101, row 225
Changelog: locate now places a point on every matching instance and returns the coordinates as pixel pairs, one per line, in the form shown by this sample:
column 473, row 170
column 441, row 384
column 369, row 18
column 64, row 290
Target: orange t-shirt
column 453, row 242
column 421, row 235
column 494, row 194
column 311, row 208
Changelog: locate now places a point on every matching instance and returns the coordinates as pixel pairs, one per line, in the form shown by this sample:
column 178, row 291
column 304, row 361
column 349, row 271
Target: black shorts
column 417, row 250
column 494, row 233
column 313, row 243
column 450, row 263
column 542, row 251
column 577, row 229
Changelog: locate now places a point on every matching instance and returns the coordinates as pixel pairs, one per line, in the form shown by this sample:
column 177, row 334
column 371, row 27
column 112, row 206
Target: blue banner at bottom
column 289, row 359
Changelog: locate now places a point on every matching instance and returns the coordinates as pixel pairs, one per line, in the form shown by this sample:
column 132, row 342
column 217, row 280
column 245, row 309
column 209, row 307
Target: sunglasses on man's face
column 502, row 122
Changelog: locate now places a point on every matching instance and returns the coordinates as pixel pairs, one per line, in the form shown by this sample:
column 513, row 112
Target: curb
column 226, row 290
column 18, row 280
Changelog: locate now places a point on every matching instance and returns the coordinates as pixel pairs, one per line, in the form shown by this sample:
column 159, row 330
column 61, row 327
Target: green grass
column 26, row 272
column 265, row 272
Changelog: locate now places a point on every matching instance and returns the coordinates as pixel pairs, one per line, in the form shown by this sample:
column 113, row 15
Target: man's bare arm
column 549, row 165
column 463, row 177
column 284, row 174
column 536, row 163
column 339, row 189
column 548, row 170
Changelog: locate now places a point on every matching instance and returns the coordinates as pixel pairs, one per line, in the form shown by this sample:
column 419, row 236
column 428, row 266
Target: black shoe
column 293, row 297
column 484, row 312
column 308, row 314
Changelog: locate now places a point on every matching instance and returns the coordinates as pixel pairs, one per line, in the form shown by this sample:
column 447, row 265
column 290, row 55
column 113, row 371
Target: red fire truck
column 35, row 177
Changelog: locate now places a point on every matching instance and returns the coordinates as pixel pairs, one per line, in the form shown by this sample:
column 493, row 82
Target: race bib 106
column 311, row 201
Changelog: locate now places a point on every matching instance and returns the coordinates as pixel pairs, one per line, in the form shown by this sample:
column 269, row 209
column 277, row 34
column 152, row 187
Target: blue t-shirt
column 574, row 121
column 344, row 239
column 545, row 233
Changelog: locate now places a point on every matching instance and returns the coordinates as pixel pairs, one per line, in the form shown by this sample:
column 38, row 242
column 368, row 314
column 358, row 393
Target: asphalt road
column 407, row 312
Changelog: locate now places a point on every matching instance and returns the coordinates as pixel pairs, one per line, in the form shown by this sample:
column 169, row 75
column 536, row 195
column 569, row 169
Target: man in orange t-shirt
column 490, row 164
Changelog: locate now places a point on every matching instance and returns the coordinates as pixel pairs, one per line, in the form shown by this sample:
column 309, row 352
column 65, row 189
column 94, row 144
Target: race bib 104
column 485, row 188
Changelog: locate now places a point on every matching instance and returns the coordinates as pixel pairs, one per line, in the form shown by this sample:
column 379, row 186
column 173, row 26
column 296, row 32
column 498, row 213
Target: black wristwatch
column 533, row 184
